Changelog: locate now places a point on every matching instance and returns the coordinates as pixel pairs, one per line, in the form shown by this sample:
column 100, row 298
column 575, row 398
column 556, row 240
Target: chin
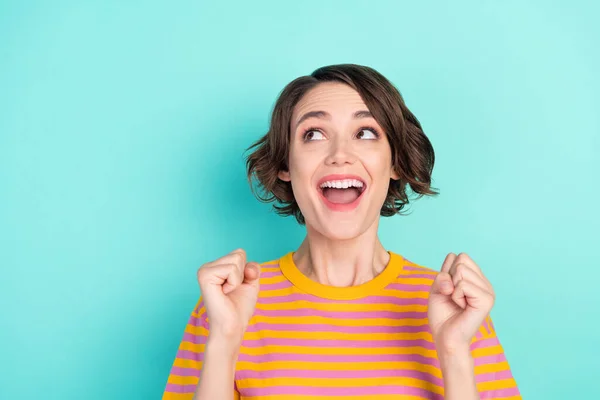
column 342, row 229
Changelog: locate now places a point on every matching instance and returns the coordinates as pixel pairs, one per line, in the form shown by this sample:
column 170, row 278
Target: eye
column 313, row 134
column 367, row 133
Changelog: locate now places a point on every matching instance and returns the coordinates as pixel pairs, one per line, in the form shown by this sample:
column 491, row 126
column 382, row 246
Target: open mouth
column 342, row 191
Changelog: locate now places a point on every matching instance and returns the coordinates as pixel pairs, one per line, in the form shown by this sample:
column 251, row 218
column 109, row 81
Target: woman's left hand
column 461, row 298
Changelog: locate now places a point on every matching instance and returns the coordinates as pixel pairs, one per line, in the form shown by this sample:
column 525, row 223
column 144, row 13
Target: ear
column 394, row 175
column 284, row 175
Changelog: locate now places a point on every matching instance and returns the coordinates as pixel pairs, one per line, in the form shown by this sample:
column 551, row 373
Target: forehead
column 332, row 97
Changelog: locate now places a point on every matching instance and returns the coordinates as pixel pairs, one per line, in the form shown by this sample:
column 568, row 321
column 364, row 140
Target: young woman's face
column 339, row 163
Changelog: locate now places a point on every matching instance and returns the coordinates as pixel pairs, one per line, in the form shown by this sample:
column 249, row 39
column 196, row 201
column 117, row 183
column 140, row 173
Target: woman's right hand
column 229, row 287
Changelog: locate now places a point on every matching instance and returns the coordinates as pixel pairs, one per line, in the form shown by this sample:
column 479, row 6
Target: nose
column 340, row 152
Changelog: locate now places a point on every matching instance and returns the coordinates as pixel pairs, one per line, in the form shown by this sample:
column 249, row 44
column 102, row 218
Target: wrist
column 227, row 348
column 458, row 372
column 458, row 357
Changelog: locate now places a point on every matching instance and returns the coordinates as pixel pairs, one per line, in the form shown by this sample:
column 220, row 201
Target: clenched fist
column 229, row 287
column 461, row 298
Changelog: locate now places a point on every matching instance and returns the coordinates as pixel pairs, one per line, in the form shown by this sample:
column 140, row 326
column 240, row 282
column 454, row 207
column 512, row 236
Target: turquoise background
column 122, row 128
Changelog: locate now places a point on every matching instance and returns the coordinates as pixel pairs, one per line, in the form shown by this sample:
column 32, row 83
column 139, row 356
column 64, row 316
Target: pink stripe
column 180, row 371
column 500, row 393
column 275, row 286
column 493, row 359
column 342, row 358
column 418, row 268
column 196, row 339
column 341, row 391
column 270, row 274
column 198, row 321
column 494, row 376
column 201, row 339
column 420, row 276
column 407, row 287
column 309, row 374
column 295, row 297
column 310, row 312
column 190, row 355
column 483, row 343
column 339, row 343
column 262, row 326
column 326, row 343
column 174, row 388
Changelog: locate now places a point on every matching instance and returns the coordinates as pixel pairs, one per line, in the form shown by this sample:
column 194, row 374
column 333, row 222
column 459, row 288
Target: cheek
column 301, row 172
column 378, row 164
column 305, row 162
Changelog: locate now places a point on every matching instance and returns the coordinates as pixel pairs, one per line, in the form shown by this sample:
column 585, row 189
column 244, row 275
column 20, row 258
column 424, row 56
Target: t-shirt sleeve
column 492, row 372
column 185, row 372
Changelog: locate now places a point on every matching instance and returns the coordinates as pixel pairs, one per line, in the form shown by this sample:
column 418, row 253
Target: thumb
column 442, row 284
column 252, row 273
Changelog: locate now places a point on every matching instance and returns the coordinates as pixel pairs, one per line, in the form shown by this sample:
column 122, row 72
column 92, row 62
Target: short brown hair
column 412, row 153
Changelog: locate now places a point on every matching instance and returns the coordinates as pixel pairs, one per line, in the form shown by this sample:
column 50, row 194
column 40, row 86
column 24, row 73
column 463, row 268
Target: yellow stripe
column 196, row 348
column 337, row 366
column 356, row 307
column 264, row 350
column 200, row 314
column 418, row 272
column 496, row 385
column 407, row 280
column 269, row 269
column 388, row 292
column 336, row 335
column 271, row 264
column 339, row 383
column 487, row 351
column 490, row 368
column 273, row 279
column 189, row 396
column 177, row 396
column 196, row 330
column 183, row 380
column 311, row 320
column 199, row 330
column 185, row 363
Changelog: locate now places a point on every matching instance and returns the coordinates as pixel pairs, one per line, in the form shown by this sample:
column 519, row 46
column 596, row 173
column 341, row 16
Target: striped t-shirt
column 311, row 341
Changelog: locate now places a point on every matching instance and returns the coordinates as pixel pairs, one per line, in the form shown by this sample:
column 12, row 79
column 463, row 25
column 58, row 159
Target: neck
column 341, row 263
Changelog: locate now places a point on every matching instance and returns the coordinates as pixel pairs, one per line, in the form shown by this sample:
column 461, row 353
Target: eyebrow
column 325, row 115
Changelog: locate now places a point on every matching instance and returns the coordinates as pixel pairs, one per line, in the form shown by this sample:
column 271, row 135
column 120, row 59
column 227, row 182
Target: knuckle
column 240, row 252
column 232, row 267
column 462, row 257
column 201, row 273
column 239, row 258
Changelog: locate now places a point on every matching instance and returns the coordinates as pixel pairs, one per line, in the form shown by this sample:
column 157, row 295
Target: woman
column 341, row 317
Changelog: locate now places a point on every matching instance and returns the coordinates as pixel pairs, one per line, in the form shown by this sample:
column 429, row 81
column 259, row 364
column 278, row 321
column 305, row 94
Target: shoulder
column 413, row 270
column 270, row 265
column 270, row 271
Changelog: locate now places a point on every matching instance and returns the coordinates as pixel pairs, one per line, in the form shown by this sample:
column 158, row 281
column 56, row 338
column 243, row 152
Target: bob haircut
column 412, row 153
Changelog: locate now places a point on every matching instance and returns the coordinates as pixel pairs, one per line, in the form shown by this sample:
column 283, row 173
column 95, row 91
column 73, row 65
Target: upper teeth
column 343, row 184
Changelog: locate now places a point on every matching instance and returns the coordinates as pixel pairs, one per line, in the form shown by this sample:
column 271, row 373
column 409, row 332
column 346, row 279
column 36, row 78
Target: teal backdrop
column 122, row 131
